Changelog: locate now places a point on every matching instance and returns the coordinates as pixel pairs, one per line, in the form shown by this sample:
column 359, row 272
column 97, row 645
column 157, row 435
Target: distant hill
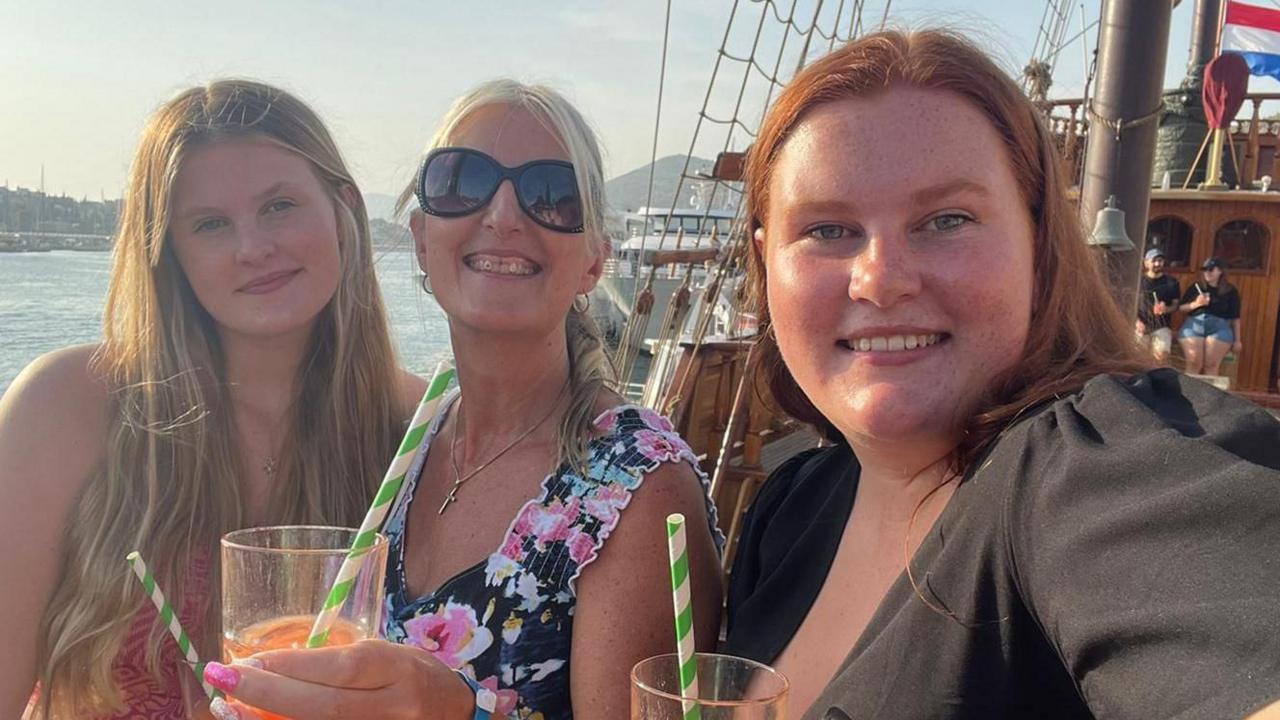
column 380, row 206
column 627, row 191
column 389, row 236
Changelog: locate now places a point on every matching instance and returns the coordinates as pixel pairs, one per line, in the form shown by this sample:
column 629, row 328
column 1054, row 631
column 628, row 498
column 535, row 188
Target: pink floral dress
column 507, row 622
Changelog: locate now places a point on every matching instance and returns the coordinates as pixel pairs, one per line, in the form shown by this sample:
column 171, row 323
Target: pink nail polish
column 221, row 676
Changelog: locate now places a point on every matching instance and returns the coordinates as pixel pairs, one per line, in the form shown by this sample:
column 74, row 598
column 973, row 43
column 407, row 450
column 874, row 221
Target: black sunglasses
column 459, row 181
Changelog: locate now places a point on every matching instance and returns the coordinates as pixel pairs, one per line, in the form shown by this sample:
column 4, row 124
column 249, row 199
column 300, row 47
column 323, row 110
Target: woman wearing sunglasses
column 528, row 565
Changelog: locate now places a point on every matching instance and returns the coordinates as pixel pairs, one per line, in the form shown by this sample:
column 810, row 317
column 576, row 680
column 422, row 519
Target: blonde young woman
column 246, row 377
column 529, row 553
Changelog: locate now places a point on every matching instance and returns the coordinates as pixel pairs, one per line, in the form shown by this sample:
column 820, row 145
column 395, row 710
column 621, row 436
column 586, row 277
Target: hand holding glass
column 274, row 583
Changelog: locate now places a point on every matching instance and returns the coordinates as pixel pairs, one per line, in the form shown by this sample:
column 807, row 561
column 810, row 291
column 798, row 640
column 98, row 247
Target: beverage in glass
column 274, row 583
column 729, row 688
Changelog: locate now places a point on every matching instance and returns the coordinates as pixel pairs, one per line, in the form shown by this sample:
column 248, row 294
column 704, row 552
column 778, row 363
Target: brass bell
column 1108, row 231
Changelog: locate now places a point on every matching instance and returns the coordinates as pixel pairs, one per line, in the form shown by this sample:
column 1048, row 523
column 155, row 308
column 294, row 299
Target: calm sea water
column 50, row 300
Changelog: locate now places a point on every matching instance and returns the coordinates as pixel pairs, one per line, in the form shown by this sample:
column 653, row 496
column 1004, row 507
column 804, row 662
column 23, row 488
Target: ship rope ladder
column 811, row 30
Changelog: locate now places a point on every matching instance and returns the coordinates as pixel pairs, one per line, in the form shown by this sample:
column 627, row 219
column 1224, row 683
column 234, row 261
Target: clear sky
column 78, row 77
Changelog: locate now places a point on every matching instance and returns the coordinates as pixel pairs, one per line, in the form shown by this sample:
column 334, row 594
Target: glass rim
column 773, row 697
column 231, row 540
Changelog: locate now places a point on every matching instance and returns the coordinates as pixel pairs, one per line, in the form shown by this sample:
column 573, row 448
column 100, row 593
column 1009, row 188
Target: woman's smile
column 890, row 347
column 501, row 264
column 270, row 282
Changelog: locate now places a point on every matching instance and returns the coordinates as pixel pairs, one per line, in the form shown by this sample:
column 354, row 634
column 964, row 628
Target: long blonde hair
column 170, row 485
column 590, row 369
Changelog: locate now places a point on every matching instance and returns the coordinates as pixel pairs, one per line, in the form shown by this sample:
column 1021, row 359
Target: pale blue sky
column 78, row 77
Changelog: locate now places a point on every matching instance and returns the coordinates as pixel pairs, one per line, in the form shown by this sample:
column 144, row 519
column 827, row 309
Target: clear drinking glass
column 729, row 688
column 274, row 583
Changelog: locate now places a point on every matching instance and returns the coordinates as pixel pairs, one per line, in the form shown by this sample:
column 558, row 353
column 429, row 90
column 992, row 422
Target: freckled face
column 898, row 253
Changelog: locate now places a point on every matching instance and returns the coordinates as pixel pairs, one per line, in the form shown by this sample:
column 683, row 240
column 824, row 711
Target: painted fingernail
column 223, row 677
column 249, row 662
column 222, row 710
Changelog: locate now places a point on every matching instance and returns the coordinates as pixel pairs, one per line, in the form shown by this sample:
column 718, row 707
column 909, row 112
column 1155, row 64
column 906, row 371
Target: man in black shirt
column 1157, row 300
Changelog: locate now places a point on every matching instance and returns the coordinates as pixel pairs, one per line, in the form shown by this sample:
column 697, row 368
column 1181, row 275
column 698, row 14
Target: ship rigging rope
column 1035, row 49
column 771, row 77
column 736, row 248
column 657, row 120
column 731, row 121
column 835, row 27
column 1054, row 23
column 774, row 81
column 790, row 20
column 638, row 318
column 635, row 296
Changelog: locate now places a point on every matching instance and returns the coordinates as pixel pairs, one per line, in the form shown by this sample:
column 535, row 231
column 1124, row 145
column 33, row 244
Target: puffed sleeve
column 1148, row 546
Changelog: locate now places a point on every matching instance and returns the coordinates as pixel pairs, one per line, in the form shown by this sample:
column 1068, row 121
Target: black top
column 1165, row 288
column 1116, row 554
column 1224, row 300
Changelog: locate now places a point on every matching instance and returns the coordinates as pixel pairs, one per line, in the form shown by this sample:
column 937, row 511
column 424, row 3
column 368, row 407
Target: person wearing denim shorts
column 1212, row 326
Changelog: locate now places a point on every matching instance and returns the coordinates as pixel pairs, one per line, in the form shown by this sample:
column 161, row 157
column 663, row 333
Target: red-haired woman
column 1018, row 516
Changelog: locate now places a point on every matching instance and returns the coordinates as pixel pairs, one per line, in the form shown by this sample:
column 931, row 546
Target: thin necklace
column 458, row 477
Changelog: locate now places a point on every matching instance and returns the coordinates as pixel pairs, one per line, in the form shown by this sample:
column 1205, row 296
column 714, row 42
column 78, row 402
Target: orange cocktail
column 283, row 634
column 274, row 583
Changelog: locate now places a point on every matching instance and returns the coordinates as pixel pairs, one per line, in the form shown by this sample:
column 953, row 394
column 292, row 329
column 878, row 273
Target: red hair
column 1077, row 331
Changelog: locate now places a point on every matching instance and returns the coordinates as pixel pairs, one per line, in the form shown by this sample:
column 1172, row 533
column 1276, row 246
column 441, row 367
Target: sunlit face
column 255, row 233
column 496, row 270
column 898, row 253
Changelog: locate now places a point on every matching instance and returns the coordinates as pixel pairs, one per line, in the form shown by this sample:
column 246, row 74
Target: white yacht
column 667, row 244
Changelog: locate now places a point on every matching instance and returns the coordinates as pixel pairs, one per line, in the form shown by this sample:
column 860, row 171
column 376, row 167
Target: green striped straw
column 681, row 595
column 170, row 619
column 382, row 502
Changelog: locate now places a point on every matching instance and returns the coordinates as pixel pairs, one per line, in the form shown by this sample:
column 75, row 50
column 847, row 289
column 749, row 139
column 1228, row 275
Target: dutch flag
column 1253, row 33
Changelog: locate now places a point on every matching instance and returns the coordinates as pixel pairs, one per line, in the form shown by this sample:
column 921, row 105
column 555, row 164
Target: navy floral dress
column 507, row 622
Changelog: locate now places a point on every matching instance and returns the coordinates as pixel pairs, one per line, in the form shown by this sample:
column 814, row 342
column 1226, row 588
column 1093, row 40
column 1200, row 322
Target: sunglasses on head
column 455, row 182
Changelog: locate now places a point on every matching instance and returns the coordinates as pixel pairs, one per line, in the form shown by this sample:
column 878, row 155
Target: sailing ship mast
column 1132, row 44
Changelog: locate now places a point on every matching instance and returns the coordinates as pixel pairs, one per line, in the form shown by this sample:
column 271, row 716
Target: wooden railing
column 1069, row 121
